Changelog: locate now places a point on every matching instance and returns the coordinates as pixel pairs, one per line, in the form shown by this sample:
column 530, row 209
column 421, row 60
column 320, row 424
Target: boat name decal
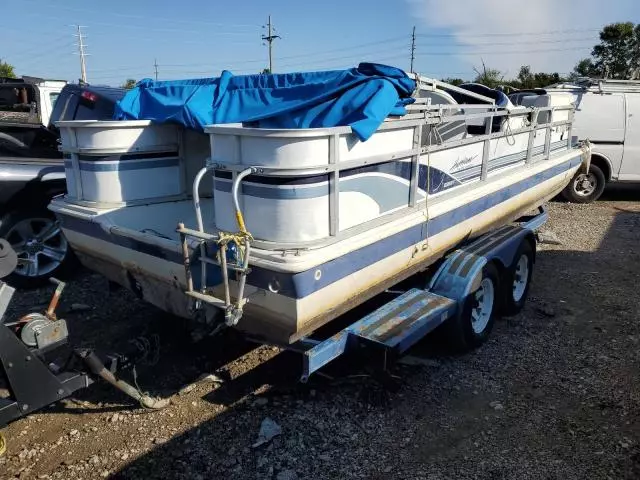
column 461, row 162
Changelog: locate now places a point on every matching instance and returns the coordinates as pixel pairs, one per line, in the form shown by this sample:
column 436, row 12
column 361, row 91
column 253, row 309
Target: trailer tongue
column 38, row 364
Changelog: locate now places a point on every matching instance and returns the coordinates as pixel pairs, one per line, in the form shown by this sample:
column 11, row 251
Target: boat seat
column 516, row 97
column 538, row 101
column 480, row 128
column 455, row 130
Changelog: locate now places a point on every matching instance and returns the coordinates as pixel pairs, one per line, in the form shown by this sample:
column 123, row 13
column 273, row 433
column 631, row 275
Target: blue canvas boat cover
column 359, row 97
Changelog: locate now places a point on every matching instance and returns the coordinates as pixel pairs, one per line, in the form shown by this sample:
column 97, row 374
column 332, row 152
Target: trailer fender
column 461, row 272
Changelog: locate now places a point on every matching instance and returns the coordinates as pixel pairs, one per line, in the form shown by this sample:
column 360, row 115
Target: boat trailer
column 450, row 294
column 40, row 367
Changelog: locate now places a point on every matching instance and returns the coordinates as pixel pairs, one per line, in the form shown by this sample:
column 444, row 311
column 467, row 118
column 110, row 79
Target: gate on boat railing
column 231, row 251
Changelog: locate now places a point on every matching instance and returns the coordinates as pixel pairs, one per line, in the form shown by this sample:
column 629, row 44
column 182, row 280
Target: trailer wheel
column 472, row 326
column 518, row 279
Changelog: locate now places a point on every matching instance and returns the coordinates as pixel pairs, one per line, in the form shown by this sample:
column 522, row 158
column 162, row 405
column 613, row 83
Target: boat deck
column 159, row 219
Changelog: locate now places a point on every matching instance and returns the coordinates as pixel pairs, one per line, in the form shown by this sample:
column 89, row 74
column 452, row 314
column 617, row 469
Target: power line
column 233, row 63
column 38, row 48
column 147, row 18
column 500, row 52
column 506, row 34
column 536, row 42
column 349, row 56
column 354, row 47
column 53, row 50
column 269, row 38
column 227, row 63
column 146, row 27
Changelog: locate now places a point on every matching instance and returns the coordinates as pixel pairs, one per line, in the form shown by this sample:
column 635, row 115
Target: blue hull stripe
column 128, row 165
column 300, row 285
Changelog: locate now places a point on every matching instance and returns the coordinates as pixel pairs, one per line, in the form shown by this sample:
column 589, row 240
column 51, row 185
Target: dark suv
column 32, row 173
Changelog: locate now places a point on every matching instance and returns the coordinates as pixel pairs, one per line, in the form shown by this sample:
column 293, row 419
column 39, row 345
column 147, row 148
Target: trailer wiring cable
column 142, row 393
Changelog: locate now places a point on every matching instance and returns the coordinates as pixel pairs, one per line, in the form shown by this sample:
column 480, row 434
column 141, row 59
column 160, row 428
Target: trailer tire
column 518, row 279
column 472, row 326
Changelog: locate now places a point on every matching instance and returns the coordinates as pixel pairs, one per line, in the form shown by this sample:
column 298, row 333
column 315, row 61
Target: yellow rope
column 3, row 445
column 239, row 238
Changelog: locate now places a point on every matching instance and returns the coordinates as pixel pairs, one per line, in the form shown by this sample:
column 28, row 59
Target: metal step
column 397, row 325
column 405, row 320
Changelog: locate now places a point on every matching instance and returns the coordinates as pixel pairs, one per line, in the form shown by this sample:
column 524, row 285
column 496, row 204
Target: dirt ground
column 554, row 394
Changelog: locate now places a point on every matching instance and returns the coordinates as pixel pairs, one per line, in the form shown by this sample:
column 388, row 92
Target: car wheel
column 43, row 251
column 585, row 187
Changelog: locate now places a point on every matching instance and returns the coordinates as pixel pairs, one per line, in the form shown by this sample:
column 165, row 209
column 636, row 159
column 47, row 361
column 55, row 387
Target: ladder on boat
column 224, row 250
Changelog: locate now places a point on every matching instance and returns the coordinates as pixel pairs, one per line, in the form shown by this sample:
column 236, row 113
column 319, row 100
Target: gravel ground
column 554, row 393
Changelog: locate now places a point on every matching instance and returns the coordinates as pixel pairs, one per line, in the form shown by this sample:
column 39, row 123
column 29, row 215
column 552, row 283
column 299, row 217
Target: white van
column 608, row 115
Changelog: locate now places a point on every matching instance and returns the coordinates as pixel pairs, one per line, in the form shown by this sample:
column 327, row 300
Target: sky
column 200, row 38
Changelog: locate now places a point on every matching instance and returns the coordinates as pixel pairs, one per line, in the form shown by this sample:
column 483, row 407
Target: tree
column 635, row 55
column 7, row 70
column 584, row 68
column 129, row 84
column 488, row 76
column 541, row 79
column 525, row 77
column 617, row 53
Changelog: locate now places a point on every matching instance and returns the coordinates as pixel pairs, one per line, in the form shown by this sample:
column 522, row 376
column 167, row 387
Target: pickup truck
column 32, row 168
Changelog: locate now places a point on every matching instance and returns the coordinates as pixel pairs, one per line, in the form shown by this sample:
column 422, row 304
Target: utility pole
column 155, row 66
column 413, row 47
column 83, row 66
column 269, row 38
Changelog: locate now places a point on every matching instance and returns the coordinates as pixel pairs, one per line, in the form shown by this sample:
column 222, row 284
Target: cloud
column 480, row 25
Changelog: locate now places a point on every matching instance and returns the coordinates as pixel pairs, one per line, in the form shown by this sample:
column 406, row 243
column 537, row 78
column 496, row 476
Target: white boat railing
column 420, row 115
column 427, row 115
